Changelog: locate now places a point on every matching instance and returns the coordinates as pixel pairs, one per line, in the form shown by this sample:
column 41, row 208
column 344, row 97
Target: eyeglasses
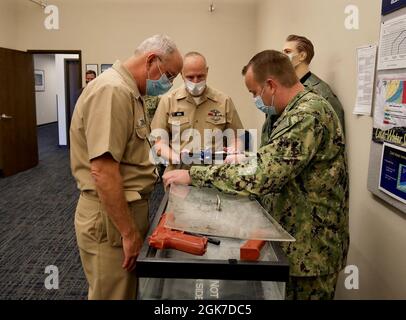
column 169, row 75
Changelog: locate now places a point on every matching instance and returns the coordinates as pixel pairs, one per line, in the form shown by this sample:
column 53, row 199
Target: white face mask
column 291, row 57
column 195, row 89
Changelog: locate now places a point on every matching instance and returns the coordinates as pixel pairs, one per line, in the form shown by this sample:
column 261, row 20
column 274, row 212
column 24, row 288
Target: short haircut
column 91, row 72
column 159, row 44
column 195, row 54
column 275, row 64
column 303, row 45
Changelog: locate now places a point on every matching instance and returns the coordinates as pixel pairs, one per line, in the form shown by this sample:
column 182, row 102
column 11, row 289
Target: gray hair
column 159, row 43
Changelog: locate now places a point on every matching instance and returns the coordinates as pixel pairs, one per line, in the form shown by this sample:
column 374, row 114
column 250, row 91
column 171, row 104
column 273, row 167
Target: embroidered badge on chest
column 215, row 115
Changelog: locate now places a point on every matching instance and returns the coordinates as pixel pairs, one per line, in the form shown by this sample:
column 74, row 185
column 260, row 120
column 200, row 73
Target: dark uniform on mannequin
column 301, row 52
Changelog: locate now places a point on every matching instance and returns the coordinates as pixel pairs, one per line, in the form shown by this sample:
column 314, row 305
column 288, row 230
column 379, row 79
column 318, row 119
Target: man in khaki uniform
column 187, row 112
column 110, row 162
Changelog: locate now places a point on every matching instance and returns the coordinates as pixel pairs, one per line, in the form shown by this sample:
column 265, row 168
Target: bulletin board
column 379, row 178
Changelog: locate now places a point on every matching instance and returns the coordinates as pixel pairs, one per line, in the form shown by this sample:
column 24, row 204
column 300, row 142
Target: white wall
column 378, row 237
column 8, row 25
column 46, row 100
column 60, row 91
column 106, row 30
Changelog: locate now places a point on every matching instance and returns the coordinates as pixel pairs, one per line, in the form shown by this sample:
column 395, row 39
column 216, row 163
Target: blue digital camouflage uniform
column 301, row 178
column 314, row 83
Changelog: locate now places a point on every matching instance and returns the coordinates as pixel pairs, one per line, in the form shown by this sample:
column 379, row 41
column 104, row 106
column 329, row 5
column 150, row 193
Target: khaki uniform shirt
column 110, row 118
column 178, row 111
column 301, row 178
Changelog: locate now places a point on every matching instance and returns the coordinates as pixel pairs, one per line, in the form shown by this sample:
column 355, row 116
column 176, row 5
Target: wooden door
column 73, row 88
column 18, row 124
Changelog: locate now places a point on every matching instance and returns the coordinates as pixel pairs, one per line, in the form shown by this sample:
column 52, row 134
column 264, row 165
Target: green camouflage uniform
column 317, row 85
column 151, row 104
column 312, row 288
column 301, row 178
column 323, row 89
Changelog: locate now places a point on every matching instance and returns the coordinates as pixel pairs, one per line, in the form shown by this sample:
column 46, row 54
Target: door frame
column 79, row 53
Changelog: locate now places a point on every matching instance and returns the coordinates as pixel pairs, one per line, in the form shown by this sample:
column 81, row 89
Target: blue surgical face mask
column 269, row 110
column 158, row 87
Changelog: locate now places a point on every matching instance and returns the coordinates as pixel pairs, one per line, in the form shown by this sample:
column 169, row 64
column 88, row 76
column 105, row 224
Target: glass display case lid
column 210, row 212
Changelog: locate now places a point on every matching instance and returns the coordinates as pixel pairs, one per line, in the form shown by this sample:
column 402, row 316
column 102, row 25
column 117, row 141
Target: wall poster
column 393, row 172
column 390, row 110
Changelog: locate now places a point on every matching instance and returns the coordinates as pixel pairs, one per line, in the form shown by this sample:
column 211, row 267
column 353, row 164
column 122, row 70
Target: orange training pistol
column 165, row 238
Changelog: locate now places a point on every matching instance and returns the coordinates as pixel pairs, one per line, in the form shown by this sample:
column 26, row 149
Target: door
column 18, row 131
column 73, row 89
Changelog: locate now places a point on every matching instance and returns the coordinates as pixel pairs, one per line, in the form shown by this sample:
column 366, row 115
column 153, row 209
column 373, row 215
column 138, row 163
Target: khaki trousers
column 101, row 250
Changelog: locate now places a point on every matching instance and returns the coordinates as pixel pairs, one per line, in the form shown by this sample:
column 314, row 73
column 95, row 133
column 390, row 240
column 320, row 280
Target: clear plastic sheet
column 210, row 212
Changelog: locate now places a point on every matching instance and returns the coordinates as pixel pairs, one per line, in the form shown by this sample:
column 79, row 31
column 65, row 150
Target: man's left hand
column 235, row 159
column 181, row 177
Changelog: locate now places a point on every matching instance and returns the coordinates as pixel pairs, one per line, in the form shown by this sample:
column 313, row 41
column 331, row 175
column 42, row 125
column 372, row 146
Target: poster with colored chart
column 390, row 111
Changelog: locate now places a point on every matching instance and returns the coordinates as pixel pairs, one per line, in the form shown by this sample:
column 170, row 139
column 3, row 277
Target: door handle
column 4, row 116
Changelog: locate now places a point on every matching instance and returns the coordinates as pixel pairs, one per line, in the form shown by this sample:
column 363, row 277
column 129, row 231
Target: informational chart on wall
column 390, row 110
column 393, row 172
column 392, row 50
column 366, row 63
column 387, row 164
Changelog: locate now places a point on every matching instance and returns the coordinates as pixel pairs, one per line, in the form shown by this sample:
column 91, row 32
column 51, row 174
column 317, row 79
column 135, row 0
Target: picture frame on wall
column 93, row 67
column 39, row 78
column 104, row 67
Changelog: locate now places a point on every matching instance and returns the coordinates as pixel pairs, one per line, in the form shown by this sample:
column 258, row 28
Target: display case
column 219, row 273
